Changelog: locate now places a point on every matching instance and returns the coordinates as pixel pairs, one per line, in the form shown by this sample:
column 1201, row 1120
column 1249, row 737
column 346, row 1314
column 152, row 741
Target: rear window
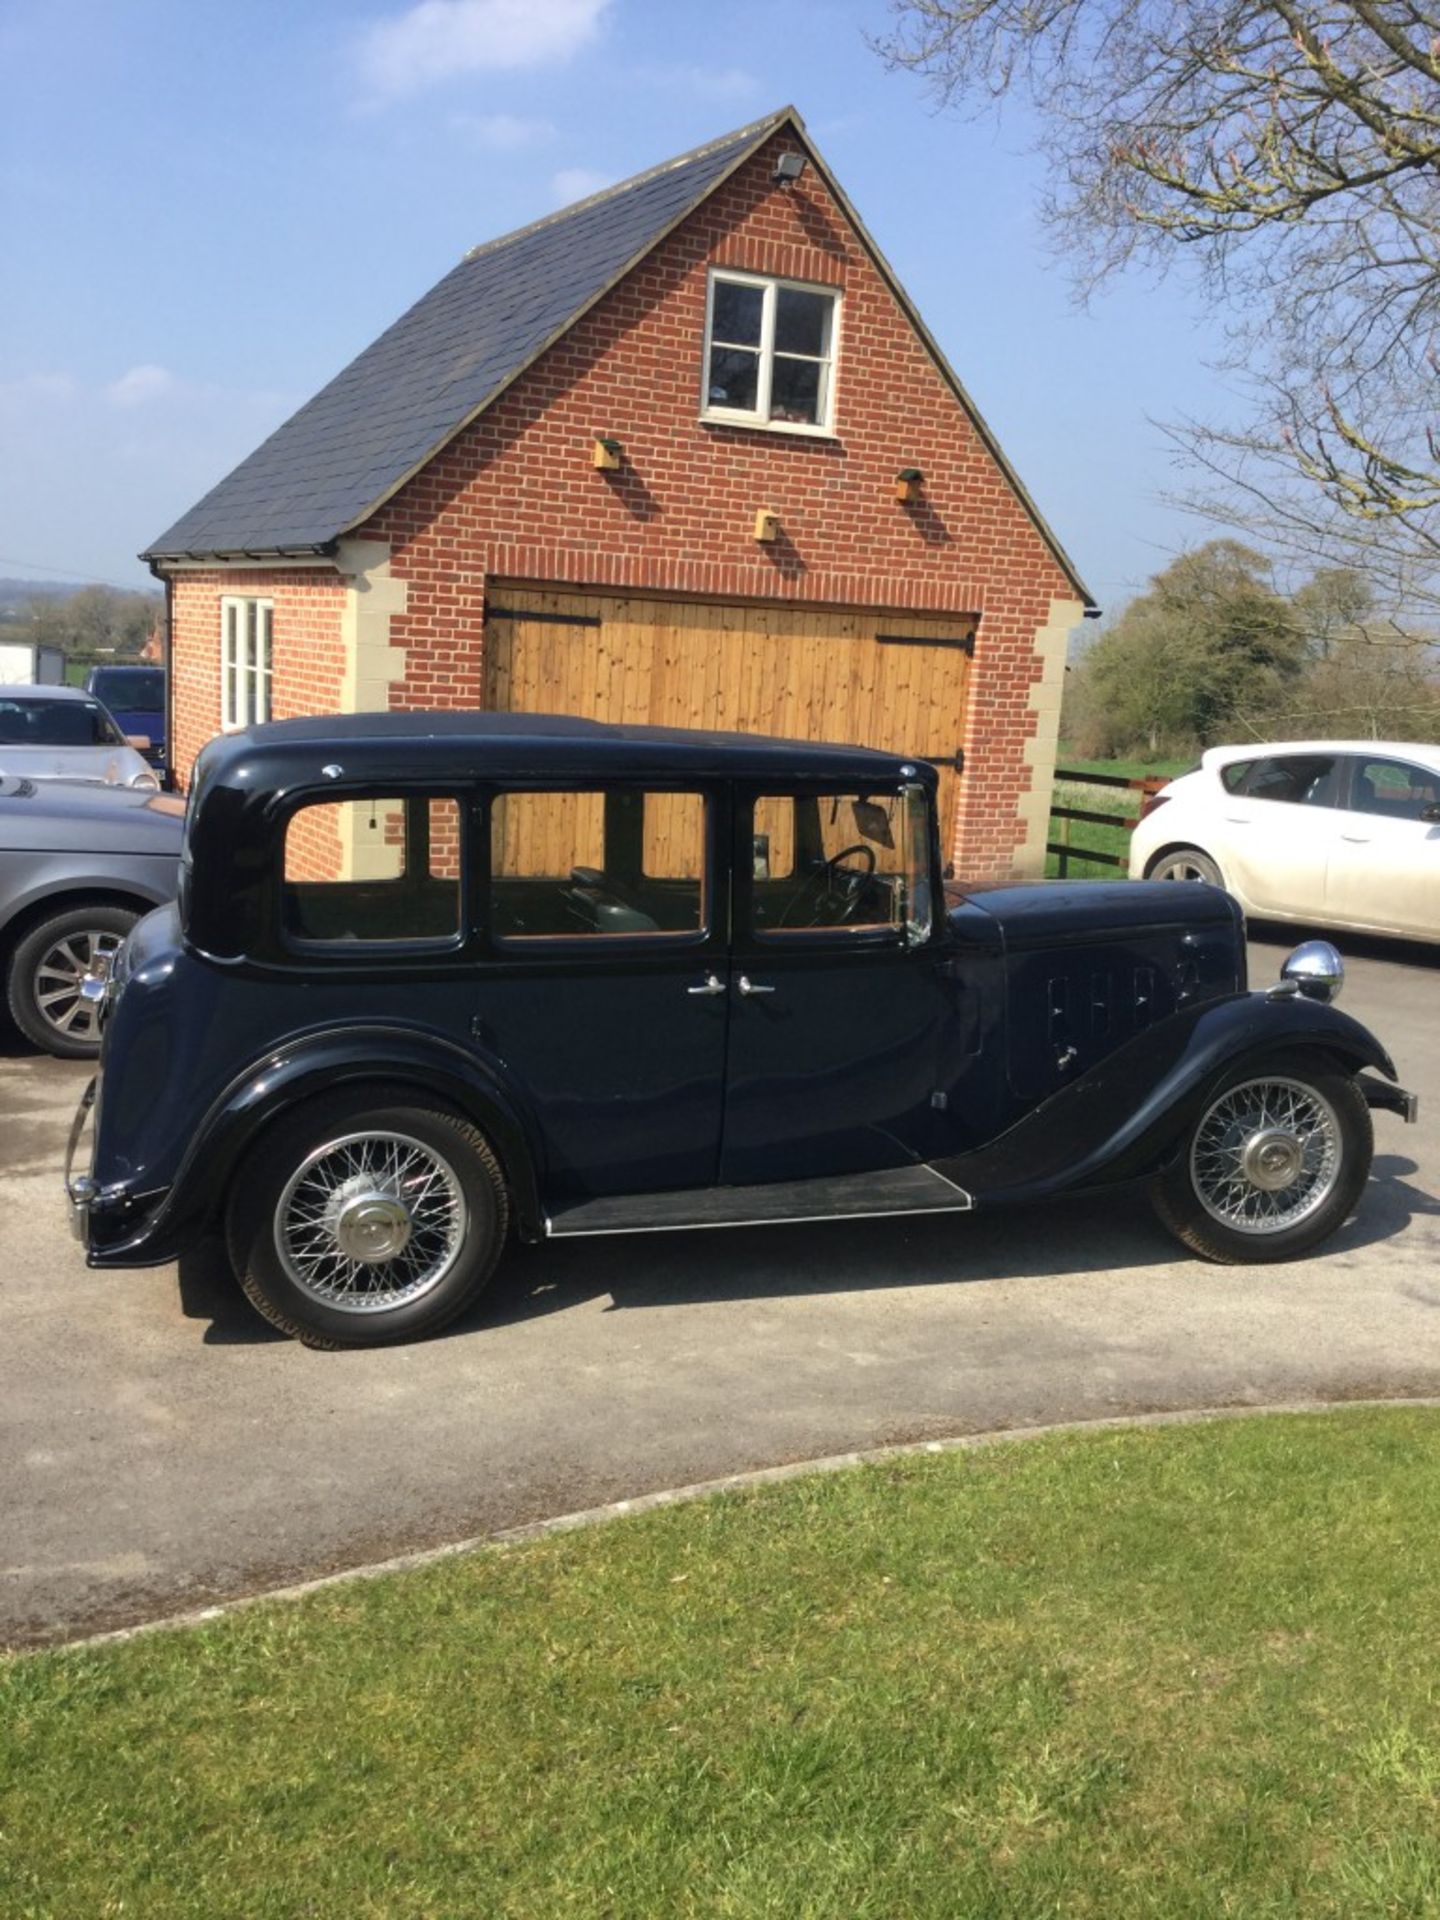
column 129, row 686
column 1295, row 779
column 385, row 869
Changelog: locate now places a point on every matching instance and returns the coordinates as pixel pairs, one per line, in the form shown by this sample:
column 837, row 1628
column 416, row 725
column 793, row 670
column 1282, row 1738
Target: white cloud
column 577, row 183
column 439, row 40
column 140, row 384
column 500, row 132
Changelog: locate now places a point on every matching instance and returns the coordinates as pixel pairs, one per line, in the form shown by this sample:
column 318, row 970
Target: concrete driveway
column 162, row 1448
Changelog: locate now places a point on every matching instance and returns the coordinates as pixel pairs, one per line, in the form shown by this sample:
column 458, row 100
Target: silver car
column 78, row 867
column 63, row 733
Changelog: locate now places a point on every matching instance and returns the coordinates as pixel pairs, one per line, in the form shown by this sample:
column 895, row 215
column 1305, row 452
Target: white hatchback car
column 1337, row 833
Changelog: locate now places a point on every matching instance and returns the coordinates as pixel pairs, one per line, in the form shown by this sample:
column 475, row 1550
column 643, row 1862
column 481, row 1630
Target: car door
column 604, row 997
column 841, row 1006
column 1281, row 828
column 1385, row 869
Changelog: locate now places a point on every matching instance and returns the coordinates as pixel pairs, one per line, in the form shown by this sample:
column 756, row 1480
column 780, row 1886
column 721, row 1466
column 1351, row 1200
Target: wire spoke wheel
column 370, row 1222
column 1266, row 1155
column 58, row 976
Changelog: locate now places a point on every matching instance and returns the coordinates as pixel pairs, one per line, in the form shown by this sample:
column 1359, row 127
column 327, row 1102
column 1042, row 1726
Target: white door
column 1280, row 830
column 1385, row 868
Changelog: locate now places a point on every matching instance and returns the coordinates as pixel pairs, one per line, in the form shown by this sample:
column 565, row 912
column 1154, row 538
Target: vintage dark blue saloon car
column 435, row 978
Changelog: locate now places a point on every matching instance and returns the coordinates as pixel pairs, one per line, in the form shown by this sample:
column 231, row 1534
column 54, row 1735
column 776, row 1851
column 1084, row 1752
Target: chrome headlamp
column 1314, row 969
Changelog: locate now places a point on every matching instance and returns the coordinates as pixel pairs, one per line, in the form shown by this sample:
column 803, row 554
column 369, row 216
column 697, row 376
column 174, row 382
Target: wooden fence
column 1064, row 847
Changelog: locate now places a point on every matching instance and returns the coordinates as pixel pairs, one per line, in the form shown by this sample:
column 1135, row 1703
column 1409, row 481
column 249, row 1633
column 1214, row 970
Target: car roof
column 27, row 687
column 535, row 743
column 1372, row 749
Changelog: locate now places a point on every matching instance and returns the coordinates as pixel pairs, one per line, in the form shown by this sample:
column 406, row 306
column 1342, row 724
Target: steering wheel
column 837, row 880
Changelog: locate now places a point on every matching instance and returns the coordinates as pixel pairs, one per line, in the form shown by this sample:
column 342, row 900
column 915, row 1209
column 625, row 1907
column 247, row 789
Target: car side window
column 842, row 863
column 1233, row 777
column 1299, row 779
column 384, row 868
column 1394, row 789
column 603, row 863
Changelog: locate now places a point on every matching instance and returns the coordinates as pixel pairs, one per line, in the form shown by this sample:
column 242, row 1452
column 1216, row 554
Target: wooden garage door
column 861, row 679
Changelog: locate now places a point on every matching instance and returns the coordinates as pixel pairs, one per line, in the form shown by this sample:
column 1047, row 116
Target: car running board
column 855, row 1196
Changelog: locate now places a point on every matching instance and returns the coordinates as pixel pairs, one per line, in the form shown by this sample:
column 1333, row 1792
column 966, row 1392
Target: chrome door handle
column 747, row 986
column 713, row 984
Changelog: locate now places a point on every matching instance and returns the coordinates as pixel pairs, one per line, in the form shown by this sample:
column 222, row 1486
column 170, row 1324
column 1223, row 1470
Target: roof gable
column 347, row 451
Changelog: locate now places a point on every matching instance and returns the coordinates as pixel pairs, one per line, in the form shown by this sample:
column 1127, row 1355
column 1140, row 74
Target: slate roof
column 332, row 463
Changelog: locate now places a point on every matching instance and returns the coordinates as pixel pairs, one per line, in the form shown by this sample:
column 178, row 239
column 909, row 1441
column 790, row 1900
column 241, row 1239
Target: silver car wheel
column 1186, row 865
column 1266, row 1155
column 370, row 1222
column 58, row 977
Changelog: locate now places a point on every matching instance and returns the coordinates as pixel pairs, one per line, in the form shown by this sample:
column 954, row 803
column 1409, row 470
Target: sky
column 207, row 210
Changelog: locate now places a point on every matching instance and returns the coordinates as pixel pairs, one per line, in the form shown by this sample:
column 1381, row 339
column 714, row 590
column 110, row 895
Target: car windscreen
column 132, row 687
column 56, row 723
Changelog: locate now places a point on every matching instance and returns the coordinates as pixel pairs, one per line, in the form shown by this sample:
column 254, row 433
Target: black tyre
column 1274, row 1163
column 46, row 969
column 367, row 1219
column 1185, row 863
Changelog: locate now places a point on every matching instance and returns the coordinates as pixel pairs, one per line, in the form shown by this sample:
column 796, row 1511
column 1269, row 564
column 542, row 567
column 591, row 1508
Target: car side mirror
column 140, row 742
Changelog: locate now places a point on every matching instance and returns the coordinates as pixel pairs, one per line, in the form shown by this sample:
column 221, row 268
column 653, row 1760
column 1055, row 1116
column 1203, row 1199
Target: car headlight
column 1314, row 969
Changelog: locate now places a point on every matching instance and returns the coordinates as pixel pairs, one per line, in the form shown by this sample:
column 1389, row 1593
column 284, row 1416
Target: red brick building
column 683, row 452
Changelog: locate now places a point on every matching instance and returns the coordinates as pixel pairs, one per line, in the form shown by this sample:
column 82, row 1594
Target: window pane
column 1301, row 779
column 262, row 678
column 1233, row 778
column 1395, row 789
column 734, row 378
column 377, row 869
column 568, row 865
column 795, row 390
column 736, row 314
column 840, row 861
column 228, row 663
column 802, row 321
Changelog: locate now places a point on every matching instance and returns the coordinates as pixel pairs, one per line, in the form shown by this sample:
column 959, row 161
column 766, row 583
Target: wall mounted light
column 606, row 453
column 767, row 524
column 908, row 482
column 788, row 169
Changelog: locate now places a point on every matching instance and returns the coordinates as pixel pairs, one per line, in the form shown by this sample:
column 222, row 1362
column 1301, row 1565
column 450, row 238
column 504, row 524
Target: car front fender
column 1125, row 1117
column 303, row 1068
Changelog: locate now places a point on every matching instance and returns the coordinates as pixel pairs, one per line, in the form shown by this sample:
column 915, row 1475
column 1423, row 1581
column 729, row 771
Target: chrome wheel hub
column 1266, row 1155
column 370, row 1221
column 60, row 978
column 1273, row 1160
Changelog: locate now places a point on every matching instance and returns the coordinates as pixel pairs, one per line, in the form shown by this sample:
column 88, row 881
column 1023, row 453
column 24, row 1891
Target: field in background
column 1100, row 797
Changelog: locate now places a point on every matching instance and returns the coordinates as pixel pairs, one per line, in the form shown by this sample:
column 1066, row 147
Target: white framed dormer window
column 246, row 655
column 770, row 353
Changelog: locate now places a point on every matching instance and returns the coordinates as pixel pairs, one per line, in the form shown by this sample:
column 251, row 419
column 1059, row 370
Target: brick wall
column 308, row 652
column 514, row 495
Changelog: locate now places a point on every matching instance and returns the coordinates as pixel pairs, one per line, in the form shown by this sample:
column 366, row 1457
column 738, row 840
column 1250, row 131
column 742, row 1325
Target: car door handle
column 747, row 986
column 713, row 984
column 1357, row 839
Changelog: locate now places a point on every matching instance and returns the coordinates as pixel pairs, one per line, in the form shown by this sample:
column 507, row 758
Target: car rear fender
column 317, row 1064
column 1126, row 1117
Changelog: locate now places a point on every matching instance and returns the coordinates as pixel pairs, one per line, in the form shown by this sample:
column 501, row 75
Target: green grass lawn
column 1101, row 799
column 1185, row 1671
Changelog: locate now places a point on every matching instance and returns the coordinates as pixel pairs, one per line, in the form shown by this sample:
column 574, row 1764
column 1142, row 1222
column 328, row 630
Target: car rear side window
column 600, row 863
column 1233, row 777
column 1394, row 789
column 1297, row 779
column 382, row 869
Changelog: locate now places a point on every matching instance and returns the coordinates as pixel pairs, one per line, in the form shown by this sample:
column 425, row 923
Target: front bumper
column 1389, row 1098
